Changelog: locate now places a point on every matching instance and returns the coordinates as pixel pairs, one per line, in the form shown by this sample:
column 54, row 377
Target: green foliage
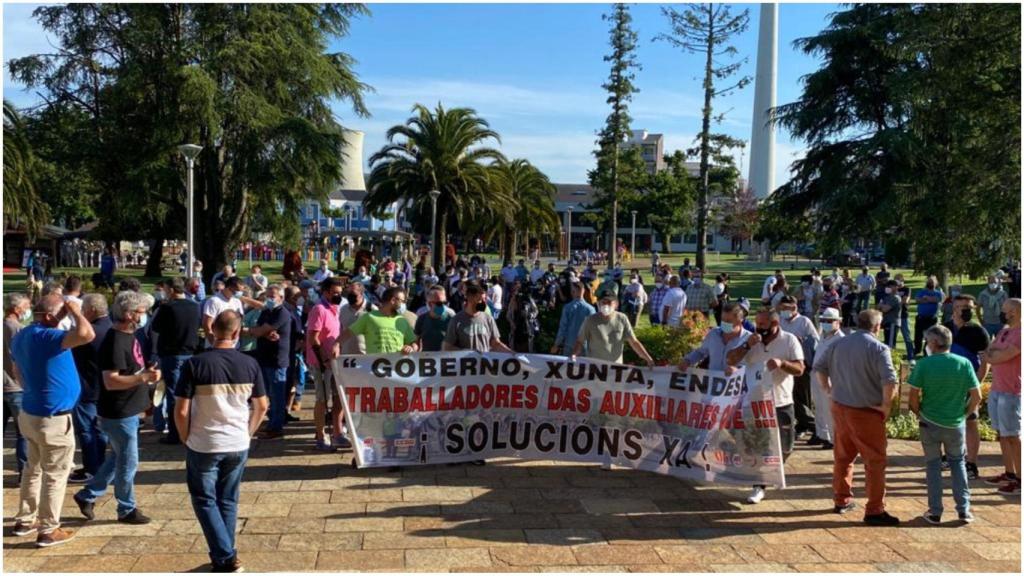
column 607, row 177
column 905, row 427
column 444, row 150
column 253, row 84
column 668, row 345
column 913, row 126
column 22, row 204
column 665, row 200
column 707, row 30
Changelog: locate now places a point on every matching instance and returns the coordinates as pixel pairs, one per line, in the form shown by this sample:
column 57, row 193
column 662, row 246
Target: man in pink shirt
column 1004, row 398
column 322, row 329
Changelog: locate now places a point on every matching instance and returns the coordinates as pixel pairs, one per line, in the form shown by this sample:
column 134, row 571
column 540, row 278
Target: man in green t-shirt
column 386, row 331
column 939, row 385
column 604, row 334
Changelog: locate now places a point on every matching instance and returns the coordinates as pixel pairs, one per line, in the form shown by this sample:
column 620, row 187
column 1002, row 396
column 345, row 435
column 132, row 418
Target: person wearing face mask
column 472, row 328
column 495, row 297
column 990, row 301
column 432, row 321
column 295, row 304
column 123, row 396
column 634, row 298
column 604, row 334
column 322, row 273
column 947, row 305
column 903, row 292
column 51, row 387
column 323, row 325
column 537, row 273
column 657, row 299
column 674, row 303
column 970, row 340
column 223, row 300
column 273, row 333
column 728, row 336
column 1004, row 398
column 783, row 357
column 928, row 300
column 800, row 326
column 17, row 310
column 700, row 296
column 891, row 308
column 386, row 330
column 858, row 373
column 176, row 325
column 882, row 278
column 92, row 440
column 831, row 331
column 865, row 285
column 213, row 413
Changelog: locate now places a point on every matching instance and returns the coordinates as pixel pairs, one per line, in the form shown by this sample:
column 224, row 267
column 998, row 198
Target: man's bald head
column 48, row 310
column 227, row 325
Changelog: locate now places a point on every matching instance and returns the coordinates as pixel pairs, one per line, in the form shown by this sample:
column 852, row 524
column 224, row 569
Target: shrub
column 668, row 345
column 905, row 427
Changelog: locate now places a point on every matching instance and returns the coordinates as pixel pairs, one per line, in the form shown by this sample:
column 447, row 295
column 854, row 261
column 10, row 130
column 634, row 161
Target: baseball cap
column 745, row 304
column 607, row 292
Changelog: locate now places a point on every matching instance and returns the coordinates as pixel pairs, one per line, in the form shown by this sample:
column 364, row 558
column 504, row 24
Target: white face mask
column 26, row 315
column 827, row 327
column 605, row 309
column 993, row 286
column 658, row 284
column 727, row 327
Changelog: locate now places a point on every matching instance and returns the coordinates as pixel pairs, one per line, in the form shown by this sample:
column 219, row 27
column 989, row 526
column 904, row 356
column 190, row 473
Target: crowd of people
column 210, row 369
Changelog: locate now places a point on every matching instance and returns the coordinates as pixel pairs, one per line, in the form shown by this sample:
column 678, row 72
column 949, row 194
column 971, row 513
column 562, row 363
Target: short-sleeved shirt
column 219, row 383
column 605, row 336
column 347, row 315
column 892, row 316
column 474, row 332
column 87, row 361
column 927, row 309
column 217, row 303
column 968, row 341
column 271, row 354
column 859, row 366
column 675, row 300
column 991, row 304
column 177, row 325
column 323, row 318
column 384, row 334
column 786, row 347
column 48, row 376
column 1006, row 375
column 120, row 352
column 11, row 328
column 945, row 381
column 432, row 330
column 715, row 349
column 699, row 296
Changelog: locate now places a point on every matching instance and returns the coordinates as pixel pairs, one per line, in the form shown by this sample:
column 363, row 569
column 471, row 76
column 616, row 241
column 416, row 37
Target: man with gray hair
column 674, row 304
column 17, row 308
column 858, row 373
column 123, row 396
column 944, row 389
column 42, row 354
column 92, row 440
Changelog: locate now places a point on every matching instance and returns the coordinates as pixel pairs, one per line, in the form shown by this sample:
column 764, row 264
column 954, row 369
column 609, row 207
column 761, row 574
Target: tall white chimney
column 762, row 135
column 352, row 162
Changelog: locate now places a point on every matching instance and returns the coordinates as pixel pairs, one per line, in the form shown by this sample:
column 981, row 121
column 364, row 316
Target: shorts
column 1004, row 410
column 320, row 383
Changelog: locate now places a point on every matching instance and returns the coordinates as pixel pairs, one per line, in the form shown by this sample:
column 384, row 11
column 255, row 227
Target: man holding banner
column 605, row 333
column 472, row 328
column 783, row 357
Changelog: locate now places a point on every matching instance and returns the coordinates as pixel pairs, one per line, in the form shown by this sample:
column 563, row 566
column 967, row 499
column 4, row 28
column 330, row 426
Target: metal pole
column 569, row 229
column 433, row 227
column 191, row 254
column 632, row 240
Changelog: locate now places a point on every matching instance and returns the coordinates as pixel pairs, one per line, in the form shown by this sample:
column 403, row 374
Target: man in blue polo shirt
column 51, row 388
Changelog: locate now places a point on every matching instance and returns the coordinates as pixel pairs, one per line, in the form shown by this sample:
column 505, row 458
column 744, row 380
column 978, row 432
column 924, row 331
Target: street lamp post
column 632, row 239
column 189, row 151
column 568, row 230
column 434, row 195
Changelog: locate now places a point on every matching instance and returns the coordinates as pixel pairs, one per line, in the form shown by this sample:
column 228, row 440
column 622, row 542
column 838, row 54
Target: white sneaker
column 756, row 495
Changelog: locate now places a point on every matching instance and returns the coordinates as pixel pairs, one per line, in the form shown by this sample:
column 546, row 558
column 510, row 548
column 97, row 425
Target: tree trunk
column 705, row 146
column 154, row 266
column 612, row 242
column 666, row 246
column 442, row 244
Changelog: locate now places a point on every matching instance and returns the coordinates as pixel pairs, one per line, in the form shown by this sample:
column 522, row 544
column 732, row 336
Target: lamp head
column 190, row 151
column 434, row 194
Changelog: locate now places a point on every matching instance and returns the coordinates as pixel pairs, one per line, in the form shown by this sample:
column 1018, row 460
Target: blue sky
column 533, row 70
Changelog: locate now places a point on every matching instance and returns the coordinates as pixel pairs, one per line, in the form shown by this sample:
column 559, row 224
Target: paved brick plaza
column 303, row 511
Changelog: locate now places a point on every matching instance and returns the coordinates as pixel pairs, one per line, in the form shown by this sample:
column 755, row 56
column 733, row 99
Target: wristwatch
column 746, row 346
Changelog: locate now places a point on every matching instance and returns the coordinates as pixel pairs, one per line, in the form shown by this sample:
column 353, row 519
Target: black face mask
column 335, row 299
column 352, row 298
column 481, row 306
column 764, row 333
column 966, row 315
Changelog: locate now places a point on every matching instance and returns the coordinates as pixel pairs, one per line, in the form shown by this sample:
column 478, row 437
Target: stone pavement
column 303, row 511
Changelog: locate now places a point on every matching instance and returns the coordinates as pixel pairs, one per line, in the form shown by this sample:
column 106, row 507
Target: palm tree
column 22, row 205
column 438, row 150
column 534, row 210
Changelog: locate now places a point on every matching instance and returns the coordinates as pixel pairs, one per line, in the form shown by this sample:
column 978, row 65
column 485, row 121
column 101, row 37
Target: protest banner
column 444, row 407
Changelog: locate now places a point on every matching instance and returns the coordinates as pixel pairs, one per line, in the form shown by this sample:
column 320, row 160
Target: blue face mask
column 269, row 304
column 439, row 309
column 143, row 320
column 727, row 327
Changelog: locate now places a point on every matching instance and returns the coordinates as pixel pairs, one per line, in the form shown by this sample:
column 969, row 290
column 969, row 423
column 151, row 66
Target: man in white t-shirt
column 783, row 358
column 322, row 273
column 494, row 296
column 766, row 288
column 674, row 303
column 219, row 302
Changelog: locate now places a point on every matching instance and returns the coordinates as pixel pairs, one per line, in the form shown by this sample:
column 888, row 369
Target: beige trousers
column 51, row 455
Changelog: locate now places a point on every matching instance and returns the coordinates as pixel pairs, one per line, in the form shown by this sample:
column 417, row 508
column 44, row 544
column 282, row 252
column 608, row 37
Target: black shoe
column 79, row 476
column 883, row 519
column 88, row 508
column 233, row 565
column 972, row 471
column 814, row 440
column 134, row 517
column 168, row 441
column 290, row 418
column 849, row 507
column 826, row 445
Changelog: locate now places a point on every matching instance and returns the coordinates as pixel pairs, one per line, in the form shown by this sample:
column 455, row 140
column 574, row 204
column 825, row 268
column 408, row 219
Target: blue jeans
column 119, row 467
column 12, row 407
column 213, row 481
column 297, row 375
column 276, row 381
column 170, row 369
column 91, row 438
column 907, row 339
column 935, row 440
